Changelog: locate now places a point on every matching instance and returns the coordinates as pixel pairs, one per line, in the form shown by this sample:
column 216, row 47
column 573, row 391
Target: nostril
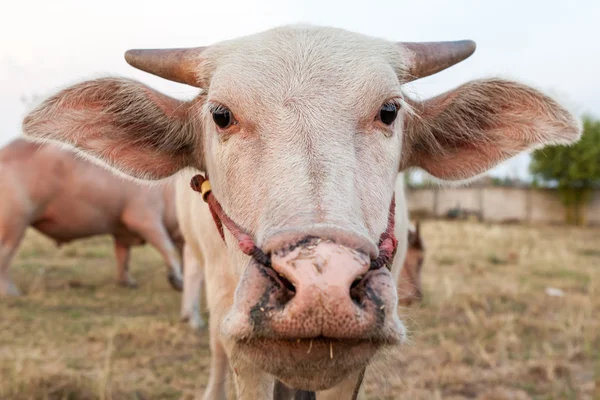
column 286, row 283
column 357, row 290
column 280, row 281
column 356, row 282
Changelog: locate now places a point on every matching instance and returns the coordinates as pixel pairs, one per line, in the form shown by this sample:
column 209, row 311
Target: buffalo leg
column 157, row 236
column 10, row 237
column 216, row 389
column 122, row 253
column 193, row 282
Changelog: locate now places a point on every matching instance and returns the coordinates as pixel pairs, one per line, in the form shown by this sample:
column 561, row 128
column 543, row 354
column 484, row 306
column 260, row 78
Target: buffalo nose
column 324, row 279
column 321, row 268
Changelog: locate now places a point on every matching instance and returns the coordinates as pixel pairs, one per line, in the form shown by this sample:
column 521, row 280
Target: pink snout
column 317, row 290
column 316, row 315
column 328, row 294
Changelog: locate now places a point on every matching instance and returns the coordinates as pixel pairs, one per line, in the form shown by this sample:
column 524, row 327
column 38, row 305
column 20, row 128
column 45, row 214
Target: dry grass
column 486, row 330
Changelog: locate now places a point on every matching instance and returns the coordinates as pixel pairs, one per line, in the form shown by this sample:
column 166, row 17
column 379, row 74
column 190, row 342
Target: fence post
column 481, row 205
column 435, row 202
column 529, row 205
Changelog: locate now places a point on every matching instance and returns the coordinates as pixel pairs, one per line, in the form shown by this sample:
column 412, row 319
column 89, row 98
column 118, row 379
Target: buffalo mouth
column 310, row 363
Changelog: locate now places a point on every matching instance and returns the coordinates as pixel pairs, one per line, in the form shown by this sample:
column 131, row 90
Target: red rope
column 387, row 242
column 245, row 241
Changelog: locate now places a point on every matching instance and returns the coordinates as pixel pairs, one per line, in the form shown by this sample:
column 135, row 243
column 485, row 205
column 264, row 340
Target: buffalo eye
column 388, row 113
column 222, row 117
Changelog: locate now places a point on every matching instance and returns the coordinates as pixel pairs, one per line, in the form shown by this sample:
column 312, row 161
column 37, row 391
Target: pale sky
column 47, row 45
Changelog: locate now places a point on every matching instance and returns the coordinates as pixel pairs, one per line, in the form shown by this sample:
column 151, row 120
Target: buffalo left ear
column 468, row 130
column 122, row 123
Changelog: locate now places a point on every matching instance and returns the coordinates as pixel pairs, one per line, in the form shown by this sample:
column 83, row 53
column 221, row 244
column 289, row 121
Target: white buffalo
column 302, row 131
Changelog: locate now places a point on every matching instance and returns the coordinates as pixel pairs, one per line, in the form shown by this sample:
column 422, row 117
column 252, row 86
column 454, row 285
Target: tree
column 575, row 170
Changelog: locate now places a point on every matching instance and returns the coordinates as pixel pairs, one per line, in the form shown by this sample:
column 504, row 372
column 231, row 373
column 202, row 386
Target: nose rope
column 387, row 242
column 245, row 242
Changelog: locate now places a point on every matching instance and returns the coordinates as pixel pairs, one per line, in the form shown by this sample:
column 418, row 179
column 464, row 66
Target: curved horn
column 177, row 65
column 428, row 58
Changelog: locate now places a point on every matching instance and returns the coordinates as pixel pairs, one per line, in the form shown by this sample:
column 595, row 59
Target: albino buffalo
column 66, row 197
column 303, row 131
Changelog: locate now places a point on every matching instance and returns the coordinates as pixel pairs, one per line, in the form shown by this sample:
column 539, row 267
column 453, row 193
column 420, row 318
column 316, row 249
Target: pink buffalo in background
column 66, row 197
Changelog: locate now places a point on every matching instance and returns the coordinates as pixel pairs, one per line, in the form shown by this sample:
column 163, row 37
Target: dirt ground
column 487, row 328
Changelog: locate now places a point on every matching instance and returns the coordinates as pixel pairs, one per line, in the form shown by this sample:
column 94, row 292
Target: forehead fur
column 299, row 62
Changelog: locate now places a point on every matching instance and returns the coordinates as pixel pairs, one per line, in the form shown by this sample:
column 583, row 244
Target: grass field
column 486, row 329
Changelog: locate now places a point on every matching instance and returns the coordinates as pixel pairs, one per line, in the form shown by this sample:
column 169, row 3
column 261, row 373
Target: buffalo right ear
column 124, row 123
column 466, row 131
